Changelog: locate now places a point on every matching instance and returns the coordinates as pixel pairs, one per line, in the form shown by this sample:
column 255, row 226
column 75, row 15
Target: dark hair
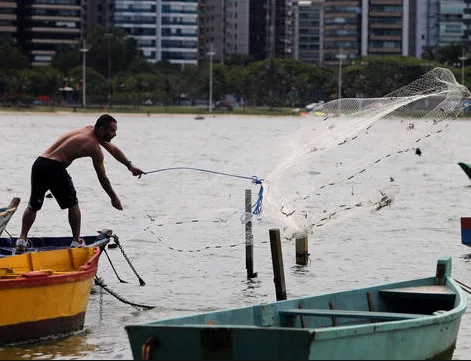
column 104, row 121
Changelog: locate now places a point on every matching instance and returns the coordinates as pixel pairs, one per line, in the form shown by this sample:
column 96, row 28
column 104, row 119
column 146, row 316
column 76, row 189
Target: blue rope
column 256, row 208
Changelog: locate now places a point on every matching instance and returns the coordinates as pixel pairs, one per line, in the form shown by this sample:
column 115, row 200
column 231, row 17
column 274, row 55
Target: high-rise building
column 423, row 26
column 354, row 28
column 46, row 25
column 451, row 24
column 308, row 31
column 98, row 13
column 237, row 28
column 258, row 28
column 342, row 30
column 8, row 19
column 211, row 29
column 279, row 36
column 164, row 30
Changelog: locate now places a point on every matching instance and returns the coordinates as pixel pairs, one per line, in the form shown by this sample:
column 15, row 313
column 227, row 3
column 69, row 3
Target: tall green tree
column 11, row 57
column 66, row 58
column 46, row 81
column 111, row 52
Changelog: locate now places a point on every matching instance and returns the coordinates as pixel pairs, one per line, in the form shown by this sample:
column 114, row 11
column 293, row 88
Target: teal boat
column 417, row 319
column 466, row 168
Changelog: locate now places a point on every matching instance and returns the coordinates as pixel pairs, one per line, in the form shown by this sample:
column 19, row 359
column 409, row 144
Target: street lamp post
column 84, row 73
column 108, row 36
column 462, row 58
column 211, row 54
column 339, row 85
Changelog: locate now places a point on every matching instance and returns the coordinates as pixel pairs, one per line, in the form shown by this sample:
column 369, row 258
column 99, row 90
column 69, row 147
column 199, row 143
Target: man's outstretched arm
column 121, row 157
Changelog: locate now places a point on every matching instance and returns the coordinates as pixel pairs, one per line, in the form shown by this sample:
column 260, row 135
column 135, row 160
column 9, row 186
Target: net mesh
column 318, row 165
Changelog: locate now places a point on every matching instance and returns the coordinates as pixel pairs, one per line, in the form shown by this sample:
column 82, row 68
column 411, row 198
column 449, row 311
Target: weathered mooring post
column 248, row 235
column 302, row 253
column 277, row 260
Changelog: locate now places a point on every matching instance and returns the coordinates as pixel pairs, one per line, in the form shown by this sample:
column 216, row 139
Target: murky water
column 181, row 228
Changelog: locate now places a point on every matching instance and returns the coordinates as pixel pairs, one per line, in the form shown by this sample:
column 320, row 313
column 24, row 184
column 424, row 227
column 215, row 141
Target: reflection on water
column 70, row 348
column 182, row 231
column 299, row 269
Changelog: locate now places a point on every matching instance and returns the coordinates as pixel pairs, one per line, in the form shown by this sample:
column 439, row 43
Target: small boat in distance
column 44, row 290
column 416, row 319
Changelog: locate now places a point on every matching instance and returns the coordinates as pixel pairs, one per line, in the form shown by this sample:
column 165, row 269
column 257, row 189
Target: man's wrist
column 128, row 164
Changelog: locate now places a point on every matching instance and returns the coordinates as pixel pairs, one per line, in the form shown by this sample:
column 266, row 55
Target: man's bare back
column 49, row 171
column 77, row 143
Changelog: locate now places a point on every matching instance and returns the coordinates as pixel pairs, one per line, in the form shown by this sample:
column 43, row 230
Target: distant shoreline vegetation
column 173, row 110
column 196, row 110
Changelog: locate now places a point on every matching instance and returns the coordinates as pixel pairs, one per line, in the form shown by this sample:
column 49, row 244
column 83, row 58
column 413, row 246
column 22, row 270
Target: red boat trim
column 33, row 331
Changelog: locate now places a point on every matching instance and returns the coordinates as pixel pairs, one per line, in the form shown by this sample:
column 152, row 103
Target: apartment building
column 164, row 30
column 452, row 26
column 211, row 30
column 185, row 31
column 279, row 35
column 308, row 31
column 46, row 25
column 236, row 27
column 424, row 20
column 8, row 19
column 354, row 28
column 233, row 27
column 98, row 13
column 258, row 25
column 343, row 26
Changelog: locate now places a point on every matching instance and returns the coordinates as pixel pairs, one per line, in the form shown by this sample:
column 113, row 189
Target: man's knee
column 35, row 205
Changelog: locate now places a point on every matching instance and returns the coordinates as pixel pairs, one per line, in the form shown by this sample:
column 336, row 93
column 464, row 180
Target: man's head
column 106, row 127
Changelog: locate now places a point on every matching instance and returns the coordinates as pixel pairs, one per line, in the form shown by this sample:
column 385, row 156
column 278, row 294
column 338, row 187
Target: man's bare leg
column 27, row 221
column 75, row 218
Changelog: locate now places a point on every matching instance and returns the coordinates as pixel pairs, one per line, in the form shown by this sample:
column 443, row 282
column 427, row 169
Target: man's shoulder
column 86, row 129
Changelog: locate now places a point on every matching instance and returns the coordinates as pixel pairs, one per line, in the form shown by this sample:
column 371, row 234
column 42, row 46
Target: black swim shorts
column 48, row 174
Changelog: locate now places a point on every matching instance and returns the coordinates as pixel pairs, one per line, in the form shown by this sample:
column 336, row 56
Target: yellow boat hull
column 44, row 294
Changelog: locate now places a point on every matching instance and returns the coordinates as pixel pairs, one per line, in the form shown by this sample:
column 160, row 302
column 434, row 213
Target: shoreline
column 160, row 110
column 94, row 112
column 150, row 115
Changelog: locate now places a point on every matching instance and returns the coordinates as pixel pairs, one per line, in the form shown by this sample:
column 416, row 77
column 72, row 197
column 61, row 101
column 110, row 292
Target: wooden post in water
column 277, row 260
column 301, row 249
column 248, row 235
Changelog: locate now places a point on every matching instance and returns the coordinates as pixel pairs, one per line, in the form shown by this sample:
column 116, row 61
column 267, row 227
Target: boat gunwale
column 85, row 271
column 448, row 315
column 324, row 332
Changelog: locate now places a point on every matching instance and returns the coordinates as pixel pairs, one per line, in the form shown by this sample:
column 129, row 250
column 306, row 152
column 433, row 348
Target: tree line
column 117, row 73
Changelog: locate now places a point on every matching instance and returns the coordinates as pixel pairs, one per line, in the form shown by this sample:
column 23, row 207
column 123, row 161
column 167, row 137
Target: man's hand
column 135, row 171
column 116, row 203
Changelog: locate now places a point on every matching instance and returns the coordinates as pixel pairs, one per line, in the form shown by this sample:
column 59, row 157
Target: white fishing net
column 321, row 175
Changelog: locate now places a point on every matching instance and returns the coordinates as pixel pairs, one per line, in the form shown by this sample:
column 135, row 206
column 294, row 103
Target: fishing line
column 256, row 208
column 254, row 179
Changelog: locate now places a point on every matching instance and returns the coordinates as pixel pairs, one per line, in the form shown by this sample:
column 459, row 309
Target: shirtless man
column 49, row 172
